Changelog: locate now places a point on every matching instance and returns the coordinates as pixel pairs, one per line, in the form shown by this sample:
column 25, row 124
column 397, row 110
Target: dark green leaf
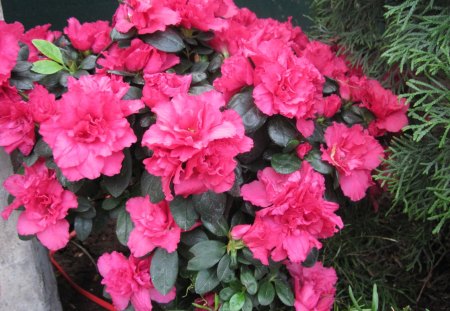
column 251, row 116
column 117, row 184
column 25, row 237
column 210, row 205
column 248, row 304
column 193, row 237
column 124, row 226
column 151, row 185
column 166, row 41
column 24, row 52
column 218, row 227
column 330, row 87
column 83, row 205
column 133, row 93
column 314, row 158
column 285, row 163
column 121, row 73
column 237, row 301
column 216, row 248
column 197, row 90
column 83, row 227
column 164, row 270
column 205, row 35
column 206, row 281
column 281, row 131
column 284, row 292
column 79, row 73
column 183, row 212
column 311, row 259
column 89, row 62
column 46, row 67
column 22, row 83
column 224, row 273
column 48, row 49
column 199, row 67
column 266, row 293
column 202, row 262
column 248, row 280
column 235, row 191
column 110, row 204
column 42, row 149
column 226, row 293
column 198, row 77
column 215, row 63
column 22, row 66
column 292, row 144
column 116, row 35
column 31, row 159
column 351, row 118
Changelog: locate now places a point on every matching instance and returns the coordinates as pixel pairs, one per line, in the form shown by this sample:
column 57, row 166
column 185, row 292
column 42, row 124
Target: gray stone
column 27, row 281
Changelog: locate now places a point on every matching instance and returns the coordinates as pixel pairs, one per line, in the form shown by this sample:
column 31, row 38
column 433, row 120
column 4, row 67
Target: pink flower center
column 88, row 131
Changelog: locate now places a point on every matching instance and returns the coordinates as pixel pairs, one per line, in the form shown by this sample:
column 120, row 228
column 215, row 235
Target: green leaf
column 117, row 184
column 226, row 293
column 210, row 205
column 330, row 87
column 284, row 292
column 218, row 227
column 164, row 270
column 124, row 226
column 48, row 49
column 248, row 304
column 237, row 301
column 152, row 186
column 311, row 259
column 215, row 248
column 31, row 159
column 116, row 35
column 193, row 237
column 285, row 163
column 46, row 67
column 314, row 158
column 110, row 204
column 375, row 298
column 83, row 227
column 206, row 281
column 281, row 131
column 266, row 293
column 248, row 280
column 183, row 212
column 133, row 93
column 89, row 62
column 25, row 237
column 224, row 273
column 83, row 205
column 251, row 116
column 42, row 149
column 166, row 41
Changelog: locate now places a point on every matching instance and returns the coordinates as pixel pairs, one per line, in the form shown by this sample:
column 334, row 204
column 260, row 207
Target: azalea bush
column 223, row 145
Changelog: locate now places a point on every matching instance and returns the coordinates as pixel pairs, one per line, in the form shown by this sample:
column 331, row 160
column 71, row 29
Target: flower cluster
column 213, row 138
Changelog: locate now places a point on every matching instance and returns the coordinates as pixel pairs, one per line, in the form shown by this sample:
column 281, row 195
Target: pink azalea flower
column 354, row 153
column 329, row 106
column 303, row 149
column 90, row 130
column 46, row 205
column 314, row 287
column 161, row 87
column 42, row 32
column 128, row 279
column 153, row 227
column 146, row 16
column 10, row 35
column 294, row 215
column 138, row 56
column 287, row 85
column 325, row 60
column 88, row 36
column 41, row 103
column 194, row 143
column 236, row 73
column 16, row 122
column 205, row 14
column 389, row 110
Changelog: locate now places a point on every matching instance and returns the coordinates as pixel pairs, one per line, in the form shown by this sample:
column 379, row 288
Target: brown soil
column 75, row 260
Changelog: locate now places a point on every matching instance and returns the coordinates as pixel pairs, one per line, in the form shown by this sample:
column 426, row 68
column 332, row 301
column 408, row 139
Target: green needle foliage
column 406, row 45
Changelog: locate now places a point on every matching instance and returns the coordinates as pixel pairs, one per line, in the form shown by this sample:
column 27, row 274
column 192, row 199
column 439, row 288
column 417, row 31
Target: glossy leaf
column 164, row 270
